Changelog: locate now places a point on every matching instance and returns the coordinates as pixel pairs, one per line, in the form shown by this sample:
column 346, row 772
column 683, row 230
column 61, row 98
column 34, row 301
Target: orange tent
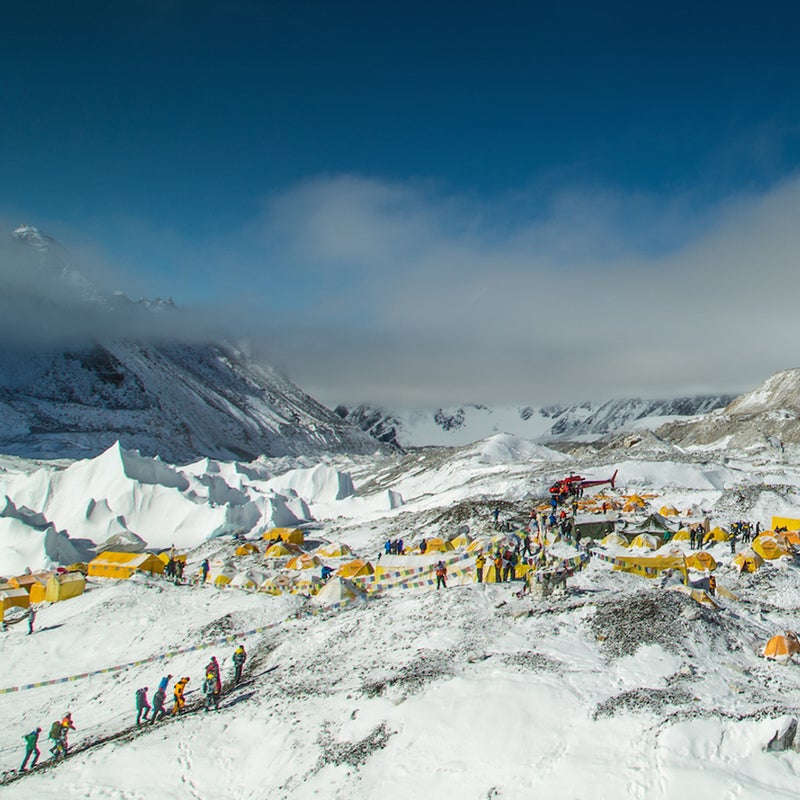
column 782, row 647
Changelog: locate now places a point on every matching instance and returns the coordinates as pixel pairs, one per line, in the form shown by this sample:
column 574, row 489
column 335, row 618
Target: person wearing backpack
column 158, row 705
column 57, row 748
column 142, row 706
column 238, row 658
column 66, row 727
column 31, row 749
column 210, row 692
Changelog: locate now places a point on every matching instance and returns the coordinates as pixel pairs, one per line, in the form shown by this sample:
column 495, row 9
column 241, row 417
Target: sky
column 419, row 205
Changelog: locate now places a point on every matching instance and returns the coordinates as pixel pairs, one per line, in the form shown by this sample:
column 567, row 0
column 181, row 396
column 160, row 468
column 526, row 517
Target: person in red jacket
column 441, row 575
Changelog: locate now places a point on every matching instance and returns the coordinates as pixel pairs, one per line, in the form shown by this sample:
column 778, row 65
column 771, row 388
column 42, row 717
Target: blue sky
column 334, row 167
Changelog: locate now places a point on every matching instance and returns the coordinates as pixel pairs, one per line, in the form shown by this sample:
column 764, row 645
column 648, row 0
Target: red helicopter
column 574, row 484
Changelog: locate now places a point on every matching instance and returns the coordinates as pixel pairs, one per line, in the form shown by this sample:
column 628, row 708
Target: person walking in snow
column 66, row 727
column 387, row 547
column 204, row 568
column 213, row 668
column 158, row 705
column 31, row 748
column 56, row 737
column 239, row 656
column 177, row 694
column 210, row 692
column 496, row 515
column 441, row 575
column 142, row 706
column 31, row 618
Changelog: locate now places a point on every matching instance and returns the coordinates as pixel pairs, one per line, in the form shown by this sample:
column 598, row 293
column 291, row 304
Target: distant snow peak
column 33, row 237
column 585, row 421
column 451, row 421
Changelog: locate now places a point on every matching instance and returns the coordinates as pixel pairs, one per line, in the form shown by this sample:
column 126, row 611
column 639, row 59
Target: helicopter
column 575, row 484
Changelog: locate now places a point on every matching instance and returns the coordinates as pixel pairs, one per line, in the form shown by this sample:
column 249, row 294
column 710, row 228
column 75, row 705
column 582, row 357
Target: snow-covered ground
column 619, row 688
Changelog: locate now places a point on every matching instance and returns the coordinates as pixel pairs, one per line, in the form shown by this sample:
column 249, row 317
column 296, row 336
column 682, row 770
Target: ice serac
column 177, row 400
column 124, row 500
column 29, row 541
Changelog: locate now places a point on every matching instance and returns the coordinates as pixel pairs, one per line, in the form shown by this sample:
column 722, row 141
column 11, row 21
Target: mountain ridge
column 74, row 397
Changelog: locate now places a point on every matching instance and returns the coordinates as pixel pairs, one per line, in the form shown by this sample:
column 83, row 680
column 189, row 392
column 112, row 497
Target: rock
column 784, row 736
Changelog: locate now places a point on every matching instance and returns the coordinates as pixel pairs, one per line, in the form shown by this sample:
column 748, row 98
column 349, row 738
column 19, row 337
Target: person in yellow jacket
column 480, row 561
column 498, row 567
column 66, row 726
column 180, row 702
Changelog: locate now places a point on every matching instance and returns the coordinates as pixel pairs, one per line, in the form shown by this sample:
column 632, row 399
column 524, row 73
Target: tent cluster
column 23, row 591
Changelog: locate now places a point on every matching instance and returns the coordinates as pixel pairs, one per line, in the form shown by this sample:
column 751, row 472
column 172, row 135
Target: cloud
column 54, row 298
column 409, row 294
column 431, row 298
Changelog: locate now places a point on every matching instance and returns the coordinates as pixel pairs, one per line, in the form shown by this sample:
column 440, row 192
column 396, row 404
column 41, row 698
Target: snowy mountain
column 763, row 418
column 71, row 394
column 469, row 423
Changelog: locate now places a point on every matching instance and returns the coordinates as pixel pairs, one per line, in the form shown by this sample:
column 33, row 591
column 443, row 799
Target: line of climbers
column 212, row 691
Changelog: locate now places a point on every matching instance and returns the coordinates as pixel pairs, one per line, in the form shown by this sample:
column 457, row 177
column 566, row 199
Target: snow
column 616, row 689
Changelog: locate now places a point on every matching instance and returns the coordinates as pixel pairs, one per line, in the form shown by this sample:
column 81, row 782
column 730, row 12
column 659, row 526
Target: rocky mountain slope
column 767, row 417
column 179, row 401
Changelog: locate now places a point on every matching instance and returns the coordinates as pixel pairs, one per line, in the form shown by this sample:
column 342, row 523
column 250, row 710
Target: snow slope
column 619, row 688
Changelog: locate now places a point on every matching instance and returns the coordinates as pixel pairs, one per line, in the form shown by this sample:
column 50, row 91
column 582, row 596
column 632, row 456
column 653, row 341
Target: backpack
column 55, row 730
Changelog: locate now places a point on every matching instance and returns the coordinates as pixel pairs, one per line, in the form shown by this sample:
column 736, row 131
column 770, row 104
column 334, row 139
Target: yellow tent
column 769, row 548
column 303, row 561
column 310, row 585
column 28, row 581
column 614, row 539
column 698, row 595
column 682, row 535
column 650, row 566
column 747, row 560
column 782, row 647
column 477, row 546
column 355, row 569
column 646, row 541
column 717, row 535
column 334, row 550
column 276, row 585
column 79, row 566
column 124, row 565
column 59, row 586
column 668, row 511
column 164, row 556
column 437, row 545
column 789, row 523
column 281, row 550
column 702, row 561
column 462, row 540
column 287, row 535
column 246, row 549
column 13, row 598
